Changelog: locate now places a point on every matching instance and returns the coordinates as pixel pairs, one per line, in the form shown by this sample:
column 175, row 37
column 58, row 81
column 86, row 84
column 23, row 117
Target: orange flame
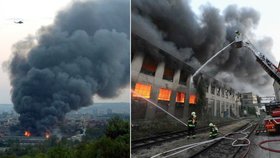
column 27, row 134
column 192, row 99
column 142, row 90
column 180, row 97
column 164, row 94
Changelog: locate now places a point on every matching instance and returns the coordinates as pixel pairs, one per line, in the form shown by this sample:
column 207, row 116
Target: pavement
column 257, row 152
column 145, row 153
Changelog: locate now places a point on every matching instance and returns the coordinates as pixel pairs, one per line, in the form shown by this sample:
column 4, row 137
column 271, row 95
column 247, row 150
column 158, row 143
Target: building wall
column 249, row 99
column 218, row 104
column 158, row 82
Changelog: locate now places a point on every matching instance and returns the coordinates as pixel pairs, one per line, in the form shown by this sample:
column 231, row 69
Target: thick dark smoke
column 174, row 27
column 85, row 52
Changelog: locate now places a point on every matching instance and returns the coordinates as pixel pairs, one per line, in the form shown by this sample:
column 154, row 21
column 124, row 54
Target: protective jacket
column 213, row 131
column 192, row 121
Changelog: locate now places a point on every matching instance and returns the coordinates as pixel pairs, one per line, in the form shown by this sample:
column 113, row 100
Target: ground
column 143, row 153
column 256, row 151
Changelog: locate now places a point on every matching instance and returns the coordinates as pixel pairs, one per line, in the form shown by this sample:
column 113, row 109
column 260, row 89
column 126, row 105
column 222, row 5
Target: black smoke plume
column 173, row 26
column 85, row 52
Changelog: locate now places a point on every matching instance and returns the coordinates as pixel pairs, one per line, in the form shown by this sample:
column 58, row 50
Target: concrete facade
column 158, row 82
column 249, row 99
column 222, row 101
column 225, row 103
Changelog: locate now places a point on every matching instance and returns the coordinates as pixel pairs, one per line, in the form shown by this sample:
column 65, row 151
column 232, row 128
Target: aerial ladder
column 266, row 64
column 271, row 123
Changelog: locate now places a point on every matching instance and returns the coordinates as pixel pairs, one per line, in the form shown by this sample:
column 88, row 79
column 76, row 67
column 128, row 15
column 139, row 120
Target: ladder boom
column 266, row 64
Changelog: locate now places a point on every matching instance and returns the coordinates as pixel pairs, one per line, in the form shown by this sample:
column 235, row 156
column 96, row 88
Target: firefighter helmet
column 193, row 114
column 211, row 124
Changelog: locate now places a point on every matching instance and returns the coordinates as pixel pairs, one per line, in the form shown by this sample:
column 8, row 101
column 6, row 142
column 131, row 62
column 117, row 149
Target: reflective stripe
column 213, row 134
column 190, row 124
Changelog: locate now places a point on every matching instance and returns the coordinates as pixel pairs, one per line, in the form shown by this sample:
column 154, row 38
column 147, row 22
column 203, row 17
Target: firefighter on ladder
column 213, row 131
column 191, row 125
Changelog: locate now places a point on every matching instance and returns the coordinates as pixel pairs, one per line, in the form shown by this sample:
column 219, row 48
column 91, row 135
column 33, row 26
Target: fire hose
column 269, row 149
column 190, row 146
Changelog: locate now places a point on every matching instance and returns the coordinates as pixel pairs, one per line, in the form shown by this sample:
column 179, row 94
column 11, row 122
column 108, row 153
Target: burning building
column 85, row 52
column 165, row 80
column 170, row 41
column 176, row 28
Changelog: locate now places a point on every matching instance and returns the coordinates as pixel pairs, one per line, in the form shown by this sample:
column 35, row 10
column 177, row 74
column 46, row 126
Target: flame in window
column 142, row 90
column 164, row 94
column 180, row 97
column 192, row 99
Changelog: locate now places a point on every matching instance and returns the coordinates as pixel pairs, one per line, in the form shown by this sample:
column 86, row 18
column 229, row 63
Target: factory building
column 222, row 100
column 164, row 79
column 249, row 99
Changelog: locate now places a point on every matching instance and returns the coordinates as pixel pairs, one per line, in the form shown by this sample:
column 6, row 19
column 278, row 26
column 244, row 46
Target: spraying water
column 196, row 38
column 209, row 60
column 159, row 107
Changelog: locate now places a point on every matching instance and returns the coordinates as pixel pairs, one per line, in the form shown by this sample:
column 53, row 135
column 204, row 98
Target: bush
column 115, row 143
column 117, row 127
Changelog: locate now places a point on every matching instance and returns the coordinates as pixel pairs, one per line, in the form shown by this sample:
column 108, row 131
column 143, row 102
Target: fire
column 164, row 94
column 180, row 97
column 142, row 90
column 192, row 99
column 47, row 135
column 27, row 134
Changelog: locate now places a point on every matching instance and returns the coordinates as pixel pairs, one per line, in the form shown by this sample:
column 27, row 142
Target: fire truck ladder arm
column 266, row 64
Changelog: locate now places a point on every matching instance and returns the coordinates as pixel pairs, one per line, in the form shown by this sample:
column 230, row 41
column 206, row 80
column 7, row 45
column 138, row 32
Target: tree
column 201, row 95
column 115, row 143
column 117, row 127
column 60, row 152
column 105, row 147
column 94, row 133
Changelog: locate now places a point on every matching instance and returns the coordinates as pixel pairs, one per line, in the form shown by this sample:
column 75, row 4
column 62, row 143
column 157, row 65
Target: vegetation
column 113, row 143
column 200, row 106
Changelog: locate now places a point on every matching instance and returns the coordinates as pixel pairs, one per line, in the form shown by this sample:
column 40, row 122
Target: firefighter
column 191, row 125
column 213, row 131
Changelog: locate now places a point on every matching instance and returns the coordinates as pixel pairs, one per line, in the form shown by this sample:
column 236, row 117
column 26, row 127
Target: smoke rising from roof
column 85, row 52
column 173, row 25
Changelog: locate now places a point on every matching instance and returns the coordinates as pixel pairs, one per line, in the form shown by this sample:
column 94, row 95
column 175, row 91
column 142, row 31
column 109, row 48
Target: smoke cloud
column 85, row 52
column 174, row 27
